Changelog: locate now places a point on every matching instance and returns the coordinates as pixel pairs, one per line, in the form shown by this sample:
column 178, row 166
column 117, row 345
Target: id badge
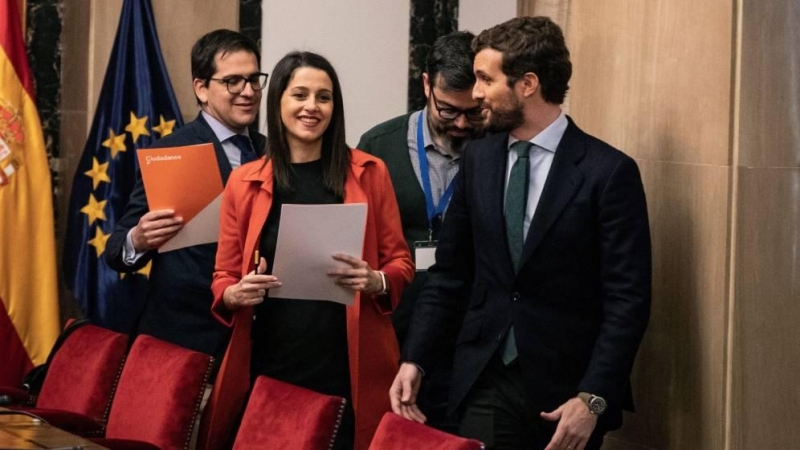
column 424, row 254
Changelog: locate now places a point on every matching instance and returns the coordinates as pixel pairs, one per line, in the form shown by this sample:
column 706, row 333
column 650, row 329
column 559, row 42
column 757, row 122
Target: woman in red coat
column 325, row 346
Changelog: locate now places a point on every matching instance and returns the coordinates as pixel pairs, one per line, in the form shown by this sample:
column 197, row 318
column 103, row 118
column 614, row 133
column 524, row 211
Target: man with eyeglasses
column 422, row 151
column 227, row 85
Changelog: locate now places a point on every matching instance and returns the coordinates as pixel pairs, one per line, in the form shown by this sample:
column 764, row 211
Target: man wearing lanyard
column 422, row 151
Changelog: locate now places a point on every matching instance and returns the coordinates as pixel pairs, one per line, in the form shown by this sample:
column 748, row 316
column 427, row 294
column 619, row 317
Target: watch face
column 597, row 405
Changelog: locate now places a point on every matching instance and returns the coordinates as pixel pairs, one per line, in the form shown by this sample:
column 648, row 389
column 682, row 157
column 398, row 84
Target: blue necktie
column 515, row 205
column 244, row 145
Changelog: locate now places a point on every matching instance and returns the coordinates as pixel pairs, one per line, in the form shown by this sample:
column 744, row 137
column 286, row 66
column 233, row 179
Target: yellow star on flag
column 137, row 127
column 98, row 173
column 94, row 209
column 146, row 269
column 164, row 127
column 116, row 143
column 143, row 271
column 99, row 241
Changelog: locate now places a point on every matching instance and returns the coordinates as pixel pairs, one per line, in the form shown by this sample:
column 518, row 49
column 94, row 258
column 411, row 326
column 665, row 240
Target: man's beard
column 506, row 117
column 454, row 143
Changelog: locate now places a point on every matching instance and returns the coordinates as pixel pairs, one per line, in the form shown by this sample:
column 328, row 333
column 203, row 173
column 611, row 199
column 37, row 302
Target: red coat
column 371, row 340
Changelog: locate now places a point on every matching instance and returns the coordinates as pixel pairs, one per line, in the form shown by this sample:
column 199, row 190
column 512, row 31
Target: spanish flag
column 29, row 321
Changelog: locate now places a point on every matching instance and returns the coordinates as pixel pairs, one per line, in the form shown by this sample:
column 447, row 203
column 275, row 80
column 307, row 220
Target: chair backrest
column 281, row 415
column 397, row 433
column 159, row 394
column 84, row 371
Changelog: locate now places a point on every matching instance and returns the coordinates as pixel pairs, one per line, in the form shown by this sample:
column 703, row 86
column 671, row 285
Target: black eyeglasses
column 236, row 83
column 449, row 113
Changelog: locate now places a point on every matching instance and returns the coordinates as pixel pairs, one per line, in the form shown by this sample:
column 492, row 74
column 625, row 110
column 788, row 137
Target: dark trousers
column 433, row 399
column 496, row 413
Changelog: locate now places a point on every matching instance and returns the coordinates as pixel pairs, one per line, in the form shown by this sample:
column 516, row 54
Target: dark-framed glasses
column 449, row 113
column 236, row 83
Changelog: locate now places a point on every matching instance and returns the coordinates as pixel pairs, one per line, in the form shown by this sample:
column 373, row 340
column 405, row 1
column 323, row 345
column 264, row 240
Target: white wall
column 365, row 40
column 478, row 15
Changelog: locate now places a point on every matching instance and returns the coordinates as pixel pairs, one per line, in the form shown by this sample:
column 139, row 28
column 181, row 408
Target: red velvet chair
column 397, row 433
column 283, row 416
column 79, row 386
column 158, row 397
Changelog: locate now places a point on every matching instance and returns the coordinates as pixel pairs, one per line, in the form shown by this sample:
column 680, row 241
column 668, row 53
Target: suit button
column 515, row 297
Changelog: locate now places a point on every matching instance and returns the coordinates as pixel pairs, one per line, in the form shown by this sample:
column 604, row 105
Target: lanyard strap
column 433, row 211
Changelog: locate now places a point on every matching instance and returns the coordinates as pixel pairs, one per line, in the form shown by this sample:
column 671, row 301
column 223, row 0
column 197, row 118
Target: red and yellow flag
column 29, row 322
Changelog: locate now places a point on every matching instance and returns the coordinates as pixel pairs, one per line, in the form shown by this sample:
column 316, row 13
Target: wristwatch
column 597, row 405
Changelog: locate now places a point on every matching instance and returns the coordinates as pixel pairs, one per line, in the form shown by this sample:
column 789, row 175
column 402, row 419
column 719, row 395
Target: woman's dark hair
column 335, row 151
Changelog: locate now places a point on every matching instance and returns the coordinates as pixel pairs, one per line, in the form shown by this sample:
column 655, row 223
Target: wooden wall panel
column 654, row 77
column 770, row 84
column 178, row 35
column 679, row 376
column 765, row 398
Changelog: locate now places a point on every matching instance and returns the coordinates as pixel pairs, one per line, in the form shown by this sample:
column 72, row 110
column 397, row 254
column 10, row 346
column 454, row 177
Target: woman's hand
column 251, row 289
column 360, row 277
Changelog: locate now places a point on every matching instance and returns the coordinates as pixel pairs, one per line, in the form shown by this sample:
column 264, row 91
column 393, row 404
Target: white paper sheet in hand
column 308, row 237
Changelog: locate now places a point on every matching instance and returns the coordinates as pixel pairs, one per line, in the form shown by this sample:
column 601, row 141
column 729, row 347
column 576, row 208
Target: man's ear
column 426, row 84
column 529, row 84
column 201, row 90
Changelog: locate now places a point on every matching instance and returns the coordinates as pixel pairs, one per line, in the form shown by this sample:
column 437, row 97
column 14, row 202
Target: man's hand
column 154, row 229
column 403, row 393
column 575, row 425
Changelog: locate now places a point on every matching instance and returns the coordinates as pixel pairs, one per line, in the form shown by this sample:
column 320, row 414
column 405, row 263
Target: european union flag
column 136, row 107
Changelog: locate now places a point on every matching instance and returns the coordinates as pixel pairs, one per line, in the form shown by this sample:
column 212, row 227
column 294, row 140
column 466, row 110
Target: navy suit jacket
column 580, row 301
column 178, row 305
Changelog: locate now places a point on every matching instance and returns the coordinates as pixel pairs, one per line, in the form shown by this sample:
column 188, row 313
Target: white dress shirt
column 540, row 158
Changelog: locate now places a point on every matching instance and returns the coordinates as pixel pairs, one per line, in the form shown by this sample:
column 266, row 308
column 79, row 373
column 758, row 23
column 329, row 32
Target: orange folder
column 186, row 180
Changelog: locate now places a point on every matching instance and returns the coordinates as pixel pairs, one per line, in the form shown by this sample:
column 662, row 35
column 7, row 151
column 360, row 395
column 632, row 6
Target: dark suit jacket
column 178, row 306
column 581, row 299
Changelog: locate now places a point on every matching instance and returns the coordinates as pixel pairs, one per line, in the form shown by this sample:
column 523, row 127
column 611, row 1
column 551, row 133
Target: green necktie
column 515, row 205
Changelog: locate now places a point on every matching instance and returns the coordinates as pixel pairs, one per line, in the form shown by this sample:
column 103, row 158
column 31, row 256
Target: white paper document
column 202, row 229
column 308, row 237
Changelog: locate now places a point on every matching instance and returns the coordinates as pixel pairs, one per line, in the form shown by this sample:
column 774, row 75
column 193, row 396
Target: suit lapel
column 206, row 134
column 562, row 183
column 261, row 206
column 490, row 178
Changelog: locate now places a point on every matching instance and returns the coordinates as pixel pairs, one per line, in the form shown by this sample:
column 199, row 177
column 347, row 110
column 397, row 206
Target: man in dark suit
column 547, row 237
column 227, row 84
column 422, row 172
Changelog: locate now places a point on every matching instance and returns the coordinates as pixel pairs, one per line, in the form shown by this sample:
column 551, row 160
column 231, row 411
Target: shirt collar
column 550, row 137
column 220, row 130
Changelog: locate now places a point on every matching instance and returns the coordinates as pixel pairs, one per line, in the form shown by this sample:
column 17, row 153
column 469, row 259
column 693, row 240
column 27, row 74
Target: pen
column 256, row 260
